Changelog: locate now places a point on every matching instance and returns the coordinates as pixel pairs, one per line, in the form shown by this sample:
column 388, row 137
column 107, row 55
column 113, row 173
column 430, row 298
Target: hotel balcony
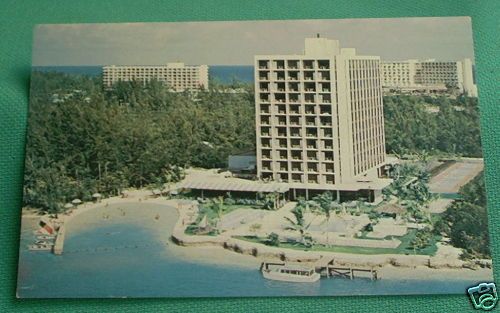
column 280, row 65
column 323, row 64
column 325, row 110
column 309, row 87
column 325, row 121
column 328, row 156
column 293, row 87
column 264, row 75
column 294, row 120
column 310, row 121
column 308, row 64
column 330, row 179
column 324, row 87
column 312, row 156
column 263, row 64
column 312, row 167
column 312, row 179
column 308, row 98
column 265, row 143
column 265, row 131
column 296, row 155
column 327, row 133
column 296, row 178
column 264, row 120
column 328, row 168
column 283, row 156
column 311, row 144
column 325, row 99
column 266, row 156
column 293, row 64
column 327, row 145
column 264, row 98
column 279, row 76
column 309, row 75
column 294, row 109
column 324, row 75
column 310, row 110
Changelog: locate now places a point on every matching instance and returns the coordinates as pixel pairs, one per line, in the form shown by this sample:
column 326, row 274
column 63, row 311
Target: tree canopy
column 438, row 125
column 82, row 139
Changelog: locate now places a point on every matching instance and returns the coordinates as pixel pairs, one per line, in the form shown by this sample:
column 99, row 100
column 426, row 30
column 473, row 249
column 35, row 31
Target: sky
column 235, row 43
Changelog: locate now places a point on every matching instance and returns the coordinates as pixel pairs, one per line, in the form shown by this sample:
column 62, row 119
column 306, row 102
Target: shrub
column 273, row 240
column 229, row 201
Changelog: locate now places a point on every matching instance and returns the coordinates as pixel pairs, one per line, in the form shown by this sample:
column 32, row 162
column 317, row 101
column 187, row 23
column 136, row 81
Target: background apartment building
column 429, row 75
column 178, row 76
column 319, row 119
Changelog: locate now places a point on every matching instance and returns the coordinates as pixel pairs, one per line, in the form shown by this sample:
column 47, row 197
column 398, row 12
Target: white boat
column 289, row 273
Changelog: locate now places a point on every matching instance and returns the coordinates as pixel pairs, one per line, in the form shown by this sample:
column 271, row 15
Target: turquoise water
column 121, row 258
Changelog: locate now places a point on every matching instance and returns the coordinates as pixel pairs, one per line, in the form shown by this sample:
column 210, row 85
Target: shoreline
column 225, row 250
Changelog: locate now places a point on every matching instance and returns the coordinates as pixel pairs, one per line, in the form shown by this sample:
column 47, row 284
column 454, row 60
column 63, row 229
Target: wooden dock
column 327, row 268
column 59, row 244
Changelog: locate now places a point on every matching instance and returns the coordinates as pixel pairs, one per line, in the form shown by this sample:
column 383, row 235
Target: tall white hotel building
column 319, row 120
column 178, row 76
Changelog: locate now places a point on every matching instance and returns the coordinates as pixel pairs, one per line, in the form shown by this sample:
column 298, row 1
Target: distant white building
column 178, row 76
column 428, row 75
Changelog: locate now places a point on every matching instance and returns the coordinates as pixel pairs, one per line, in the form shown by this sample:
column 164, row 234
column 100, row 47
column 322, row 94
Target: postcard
column 254, row 158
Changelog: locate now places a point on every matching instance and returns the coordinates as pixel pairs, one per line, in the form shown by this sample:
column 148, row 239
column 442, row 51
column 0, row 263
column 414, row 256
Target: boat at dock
column 289, row 273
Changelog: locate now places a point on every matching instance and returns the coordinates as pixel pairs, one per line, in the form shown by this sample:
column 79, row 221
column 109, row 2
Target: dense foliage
column 83, row 140
column 466, row 220
column 437, row 125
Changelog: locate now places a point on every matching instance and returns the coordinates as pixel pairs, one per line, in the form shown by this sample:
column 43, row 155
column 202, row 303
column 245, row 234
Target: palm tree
column 325, row 204
column 217, row 207
column 299, row 226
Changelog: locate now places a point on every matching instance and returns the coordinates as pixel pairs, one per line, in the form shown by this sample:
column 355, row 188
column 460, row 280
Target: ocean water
column 224, row 74
column 130, row 257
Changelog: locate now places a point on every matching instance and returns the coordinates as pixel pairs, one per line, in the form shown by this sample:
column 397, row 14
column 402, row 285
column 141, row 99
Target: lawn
column 403, row 248
column 205, row 209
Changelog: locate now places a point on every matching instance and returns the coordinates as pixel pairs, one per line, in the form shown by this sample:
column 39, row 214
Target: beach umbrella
column 76, row 201
column 96, row 195
column 68, row 205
